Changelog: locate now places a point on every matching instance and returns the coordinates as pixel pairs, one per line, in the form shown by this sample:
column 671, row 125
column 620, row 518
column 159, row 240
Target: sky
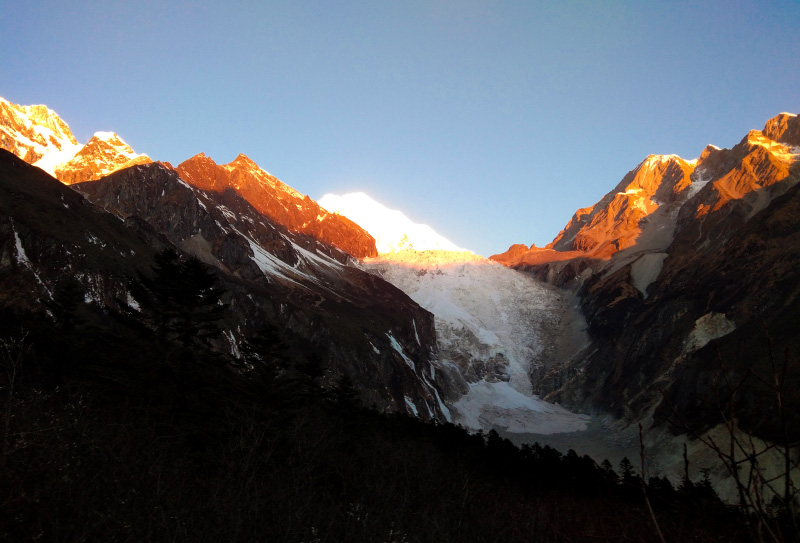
column 490, row 121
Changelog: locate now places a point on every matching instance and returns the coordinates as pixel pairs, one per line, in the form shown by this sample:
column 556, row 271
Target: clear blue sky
column 491, row 121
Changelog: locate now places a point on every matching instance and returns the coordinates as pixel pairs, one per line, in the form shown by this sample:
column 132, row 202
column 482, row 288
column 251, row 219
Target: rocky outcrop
column 276, row 200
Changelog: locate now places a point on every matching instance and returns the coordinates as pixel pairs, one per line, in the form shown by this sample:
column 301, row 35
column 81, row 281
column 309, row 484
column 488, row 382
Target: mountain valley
column 683, row 272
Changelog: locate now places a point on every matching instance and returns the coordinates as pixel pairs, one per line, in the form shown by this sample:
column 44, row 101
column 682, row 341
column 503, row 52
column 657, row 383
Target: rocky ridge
column 32, row 132
column 102, row 155
column 277, row 201
column 664, row 191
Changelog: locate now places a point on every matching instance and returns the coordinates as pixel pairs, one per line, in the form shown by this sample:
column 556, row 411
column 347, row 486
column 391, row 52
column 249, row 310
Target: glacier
column 494, row 328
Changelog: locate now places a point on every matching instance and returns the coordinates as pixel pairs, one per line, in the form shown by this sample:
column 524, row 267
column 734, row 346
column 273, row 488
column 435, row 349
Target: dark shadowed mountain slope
column 354, row 323
column 50, row 233
column 330, row 314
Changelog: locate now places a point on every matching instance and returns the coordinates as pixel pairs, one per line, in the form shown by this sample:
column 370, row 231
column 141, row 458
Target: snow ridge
column 392, row 230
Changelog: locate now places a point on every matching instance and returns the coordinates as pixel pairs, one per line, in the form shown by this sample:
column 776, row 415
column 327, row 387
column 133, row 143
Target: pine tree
column 626, row 469
column 181, row 300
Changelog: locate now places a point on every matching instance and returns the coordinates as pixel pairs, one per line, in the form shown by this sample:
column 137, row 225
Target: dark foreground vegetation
column 127, row 427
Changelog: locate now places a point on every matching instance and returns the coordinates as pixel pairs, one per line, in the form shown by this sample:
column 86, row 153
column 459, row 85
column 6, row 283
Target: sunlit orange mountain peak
column 642, row 212
column 37, row 135
column 278, row 201
column 105, row 153
column 615, row 222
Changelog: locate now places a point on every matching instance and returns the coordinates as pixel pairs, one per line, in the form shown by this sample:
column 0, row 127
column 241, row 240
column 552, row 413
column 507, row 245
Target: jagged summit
column 392, row 230
column 643, row 208
column 614, row 223
column 784, row 128
column 37, row 135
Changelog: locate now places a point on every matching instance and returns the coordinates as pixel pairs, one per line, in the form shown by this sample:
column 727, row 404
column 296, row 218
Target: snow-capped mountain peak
column 105, row 153
column 392, row 230
column 37, row 135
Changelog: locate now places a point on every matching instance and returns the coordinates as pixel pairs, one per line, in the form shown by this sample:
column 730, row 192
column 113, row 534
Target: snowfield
column 493, row 326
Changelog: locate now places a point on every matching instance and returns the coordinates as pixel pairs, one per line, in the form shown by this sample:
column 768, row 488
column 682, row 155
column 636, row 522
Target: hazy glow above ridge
column 392, row 230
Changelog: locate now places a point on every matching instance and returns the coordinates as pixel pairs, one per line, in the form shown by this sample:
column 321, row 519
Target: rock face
column 278, row 201
column 681, row 261
column 353, row 322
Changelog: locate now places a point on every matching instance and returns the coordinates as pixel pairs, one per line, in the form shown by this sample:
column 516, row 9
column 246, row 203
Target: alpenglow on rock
column 278, row 201
column 37, row 135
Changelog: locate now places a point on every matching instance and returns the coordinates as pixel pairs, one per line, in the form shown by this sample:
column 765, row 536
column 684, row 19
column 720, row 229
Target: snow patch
column 315, row 258
column 698, row 182
column 646, row 269
column 778, row 150
column 132, row 303
column 447, row 416
column 411, row 406
column 53, row 158
column 235, row 352
column 266, row 262
column 22, row 257
column 397, row 347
